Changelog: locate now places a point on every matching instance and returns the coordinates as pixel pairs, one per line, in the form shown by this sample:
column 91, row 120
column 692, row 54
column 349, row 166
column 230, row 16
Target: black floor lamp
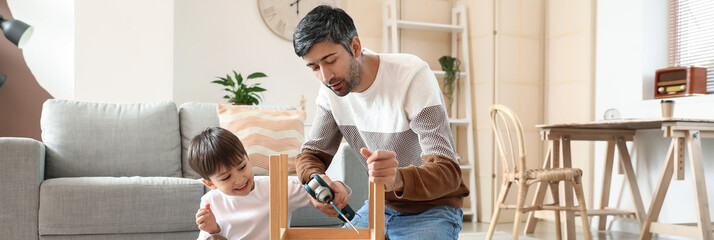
column 18, row 32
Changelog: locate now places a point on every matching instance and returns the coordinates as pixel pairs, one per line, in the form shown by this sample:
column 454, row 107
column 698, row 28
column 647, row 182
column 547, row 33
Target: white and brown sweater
column 402, row 111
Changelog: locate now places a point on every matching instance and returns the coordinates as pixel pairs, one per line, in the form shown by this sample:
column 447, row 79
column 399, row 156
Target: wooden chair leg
column 578, row 187
column 522, row 191
column 556, row 201
column 539, row 196
column 501, row 199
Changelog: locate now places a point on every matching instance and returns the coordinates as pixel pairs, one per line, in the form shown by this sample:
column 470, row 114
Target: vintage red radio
column 680, row 81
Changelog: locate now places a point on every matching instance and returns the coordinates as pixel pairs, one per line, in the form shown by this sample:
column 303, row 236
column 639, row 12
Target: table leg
column 626, row 164
column 700, row 186
column 569, row 188
column 658, row 197
column 606, row 180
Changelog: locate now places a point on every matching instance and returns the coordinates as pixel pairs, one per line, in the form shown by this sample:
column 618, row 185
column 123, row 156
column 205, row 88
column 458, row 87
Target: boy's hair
column 213, row 149
column 324, row 23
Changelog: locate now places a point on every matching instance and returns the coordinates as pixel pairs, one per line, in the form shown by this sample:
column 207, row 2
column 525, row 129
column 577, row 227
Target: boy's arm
column 206, row 221
column 297, row 196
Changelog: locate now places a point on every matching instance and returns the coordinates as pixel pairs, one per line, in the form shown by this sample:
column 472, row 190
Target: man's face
column 236, row 181
column 334, row 67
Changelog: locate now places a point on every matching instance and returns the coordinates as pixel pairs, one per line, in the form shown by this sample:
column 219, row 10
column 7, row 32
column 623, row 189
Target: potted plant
column 239, row 92
column 450, row 65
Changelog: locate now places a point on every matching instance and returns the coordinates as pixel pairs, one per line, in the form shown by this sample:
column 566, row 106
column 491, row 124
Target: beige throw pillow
column 265, row 133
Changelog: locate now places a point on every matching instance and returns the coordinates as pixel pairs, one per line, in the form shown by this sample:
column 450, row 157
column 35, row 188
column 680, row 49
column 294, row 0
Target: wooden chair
column 279, row 215
column 511, row 150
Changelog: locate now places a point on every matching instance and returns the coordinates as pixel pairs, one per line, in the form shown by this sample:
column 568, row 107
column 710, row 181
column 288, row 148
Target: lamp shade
column 16, row 31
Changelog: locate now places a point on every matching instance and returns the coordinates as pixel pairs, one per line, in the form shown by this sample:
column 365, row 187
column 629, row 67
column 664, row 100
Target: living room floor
column 544, row 230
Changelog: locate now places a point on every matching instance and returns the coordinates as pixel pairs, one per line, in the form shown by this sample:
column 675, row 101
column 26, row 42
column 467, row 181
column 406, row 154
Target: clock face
column 611, row 114
column 282, row 16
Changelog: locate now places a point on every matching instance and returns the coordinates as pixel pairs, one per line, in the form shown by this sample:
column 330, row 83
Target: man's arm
column 438, row 177
column 317, row 153
column 311, row 162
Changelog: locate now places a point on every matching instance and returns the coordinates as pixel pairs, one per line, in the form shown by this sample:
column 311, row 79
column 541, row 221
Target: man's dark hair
column 324, row 23
column 213, row 149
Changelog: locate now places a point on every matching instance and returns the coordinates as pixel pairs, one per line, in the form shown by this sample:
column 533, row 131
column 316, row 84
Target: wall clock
column 282, row 16
column 611, row 114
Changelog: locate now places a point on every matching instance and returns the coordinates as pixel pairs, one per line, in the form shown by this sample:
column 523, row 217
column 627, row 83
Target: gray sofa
column 118, row 171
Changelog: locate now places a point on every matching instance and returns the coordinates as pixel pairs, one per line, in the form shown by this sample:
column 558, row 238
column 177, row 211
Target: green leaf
column 257, row 75
column 222, row 83
column 239, row 77
column 229, row 80
column 256, row 89
column 239, row 91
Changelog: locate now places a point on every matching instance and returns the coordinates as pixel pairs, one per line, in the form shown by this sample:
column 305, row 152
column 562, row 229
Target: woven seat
column 508, row 134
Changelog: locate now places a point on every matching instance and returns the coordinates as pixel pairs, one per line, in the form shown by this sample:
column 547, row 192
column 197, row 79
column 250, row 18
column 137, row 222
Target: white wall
column 123, row 50
column 50, row 52
column 631, row 45
column 135, row 51
column 214, row 39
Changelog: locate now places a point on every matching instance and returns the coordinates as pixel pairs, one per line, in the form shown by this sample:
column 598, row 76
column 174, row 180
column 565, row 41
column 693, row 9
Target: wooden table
column 616, row 133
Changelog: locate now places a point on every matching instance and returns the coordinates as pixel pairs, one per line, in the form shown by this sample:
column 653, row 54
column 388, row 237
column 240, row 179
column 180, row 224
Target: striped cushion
column 265, row 132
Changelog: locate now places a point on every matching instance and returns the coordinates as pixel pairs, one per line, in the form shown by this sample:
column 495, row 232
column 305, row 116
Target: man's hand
column 382, row 166
column 206, row 220
column 341, row 198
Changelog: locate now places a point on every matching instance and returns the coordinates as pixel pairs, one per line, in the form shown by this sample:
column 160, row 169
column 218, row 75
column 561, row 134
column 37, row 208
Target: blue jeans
column 440, row 222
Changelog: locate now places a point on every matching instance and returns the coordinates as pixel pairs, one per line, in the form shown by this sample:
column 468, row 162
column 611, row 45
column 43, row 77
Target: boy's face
column 334, row 67
column 236, row 181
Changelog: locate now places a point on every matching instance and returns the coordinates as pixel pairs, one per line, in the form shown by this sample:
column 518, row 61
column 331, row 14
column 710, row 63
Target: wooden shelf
column 468, row 211
column 440, row 74
column 404, row 24
column 459, row 121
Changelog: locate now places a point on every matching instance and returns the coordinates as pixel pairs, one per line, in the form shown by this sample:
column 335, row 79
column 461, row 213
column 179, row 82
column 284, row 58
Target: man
column 390, row 107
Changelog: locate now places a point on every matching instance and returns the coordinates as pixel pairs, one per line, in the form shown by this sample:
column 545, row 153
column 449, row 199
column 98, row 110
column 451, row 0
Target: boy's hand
column 382, row 166
column 341, row 198
column 206, row 220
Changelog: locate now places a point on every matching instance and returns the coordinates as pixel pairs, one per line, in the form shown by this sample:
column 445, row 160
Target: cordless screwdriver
column 318, row 189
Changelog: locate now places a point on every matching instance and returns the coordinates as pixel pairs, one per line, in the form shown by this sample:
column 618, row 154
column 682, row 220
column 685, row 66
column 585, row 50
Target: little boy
column 239, row 209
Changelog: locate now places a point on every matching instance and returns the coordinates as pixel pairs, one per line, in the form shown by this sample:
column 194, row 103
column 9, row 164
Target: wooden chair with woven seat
column 511, row 150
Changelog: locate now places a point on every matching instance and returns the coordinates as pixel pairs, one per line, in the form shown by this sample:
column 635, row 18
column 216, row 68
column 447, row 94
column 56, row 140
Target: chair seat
column 548, row 174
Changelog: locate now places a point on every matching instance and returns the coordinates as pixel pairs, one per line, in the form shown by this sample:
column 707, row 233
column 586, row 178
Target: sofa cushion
column 109, row 205
column 106, row 139
column 194, row 118
column 265, row 132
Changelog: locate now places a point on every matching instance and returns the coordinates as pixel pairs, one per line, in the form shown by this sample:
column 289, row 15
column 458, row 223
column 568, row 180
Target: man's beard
column 353, row 78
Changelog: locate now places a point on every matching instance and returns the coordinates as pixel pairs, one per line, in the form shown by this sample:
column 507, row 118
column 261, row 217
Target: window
column 691, row 35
